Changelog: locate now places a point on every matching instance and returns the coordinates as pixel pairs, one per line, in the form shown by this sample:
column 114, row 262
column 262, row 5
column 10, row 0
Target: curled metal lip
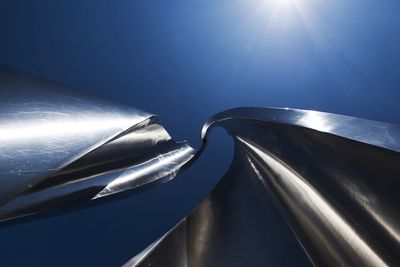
column 375, row 133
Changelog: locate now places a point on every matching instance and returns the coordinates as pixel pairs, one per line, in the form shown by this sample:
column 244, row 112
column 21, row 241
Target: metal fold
column 59, row 148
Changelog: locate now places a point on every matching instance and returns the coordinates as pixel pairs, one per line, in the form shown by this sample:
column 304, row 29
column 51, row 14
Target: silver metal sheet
column 59, row 148
column 329, row 181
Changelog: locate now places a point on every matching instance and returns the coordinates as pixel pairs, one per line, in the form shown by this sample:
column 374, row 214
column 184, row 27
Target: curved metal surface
column 304, row 187
column 59, row 148
column 334, row 180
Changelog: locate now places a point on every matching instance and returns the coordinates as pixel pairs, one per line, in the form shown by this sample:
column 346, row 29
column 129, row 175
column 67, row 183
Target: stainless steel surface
column 330, row 182
column 304, row 187
column 59, row 148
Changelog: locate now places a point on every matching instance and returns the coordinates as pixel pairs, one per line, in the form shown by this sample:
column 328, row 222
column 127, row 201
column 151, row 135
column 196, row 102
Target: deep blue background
column 187, row 60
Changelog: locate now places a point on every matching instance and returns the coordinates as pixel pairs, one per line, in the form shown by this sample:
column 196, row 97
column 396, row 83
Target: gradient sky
column 186, row 60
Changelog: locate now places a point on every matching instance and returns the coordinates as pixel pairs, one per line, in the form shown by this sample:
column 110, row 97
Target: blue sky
column 186, row 60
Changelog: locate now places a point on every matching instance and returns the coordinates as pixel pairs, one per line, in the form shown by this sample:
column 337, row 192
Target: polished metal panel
column 330, row 182
column 58, row 147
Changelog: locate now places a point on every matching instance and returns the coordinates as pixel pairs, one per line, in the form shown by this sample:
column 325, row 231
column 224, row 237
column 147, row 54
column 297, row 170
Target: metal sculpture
column 326, row 184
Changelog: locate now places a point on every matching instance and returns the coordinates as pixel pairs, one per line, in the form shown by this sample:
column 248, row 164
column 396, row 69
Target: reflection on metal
column 304, row 187
column 59, row 148
column 334, row 180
